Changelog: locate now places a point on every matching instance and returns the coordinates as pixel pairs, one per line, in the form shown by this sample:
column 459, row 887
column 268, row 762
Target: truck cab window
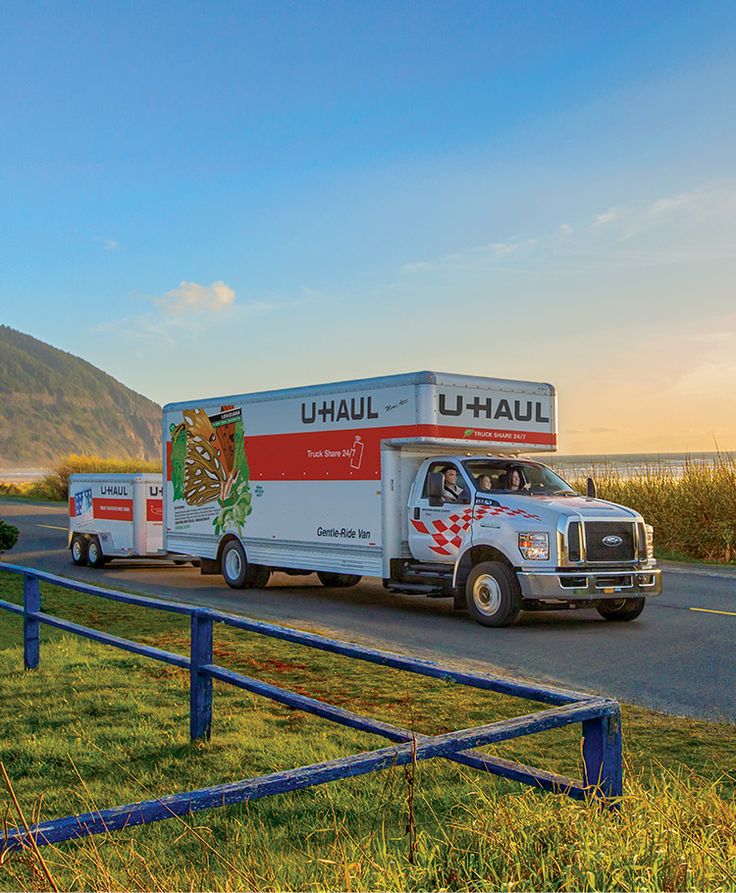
column 455, row 488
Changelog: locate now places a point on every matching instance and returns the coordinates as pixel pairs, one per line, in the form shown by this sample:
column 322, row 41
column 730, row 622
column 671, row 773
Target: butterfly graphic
column 208, row 462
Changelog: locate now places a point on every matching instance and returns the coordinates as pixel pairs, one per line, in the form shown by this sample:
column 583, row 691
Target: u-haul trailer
column 351, row 479
column 115, row 516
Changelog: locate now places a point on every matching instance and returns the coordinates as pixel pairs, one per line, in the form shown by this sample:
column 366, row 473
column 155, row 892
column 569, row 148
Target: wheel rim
column 487, row 595
column 233, row 564
column 76, row 550
column 92, row 552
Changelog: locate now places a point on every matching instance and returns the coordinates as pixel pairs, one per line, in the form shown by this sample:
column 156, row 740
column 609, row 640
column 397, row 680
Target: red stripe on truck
column 113, row 509
column 355, row 453
column 154, row 510
column 72, row 507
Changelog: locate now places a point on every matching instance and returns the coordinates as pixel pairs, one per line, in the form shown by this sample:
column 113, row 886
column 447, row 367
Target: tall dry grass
column 55, row 485
column 693, row 513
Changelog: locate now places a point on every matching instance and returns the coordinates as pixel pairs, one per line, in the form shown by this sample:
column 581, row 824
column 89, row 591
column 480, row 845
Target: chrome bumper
column 581, row 584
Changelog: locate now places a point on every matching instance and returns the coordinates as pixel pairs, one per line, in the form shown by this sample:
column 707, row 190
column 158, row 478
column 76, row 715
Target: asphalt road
column 679, row 656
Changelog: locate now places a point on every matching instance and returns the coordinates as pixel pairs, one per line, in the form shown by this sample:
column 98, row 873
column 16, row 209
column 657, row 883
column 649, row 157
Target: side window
column 461, row 484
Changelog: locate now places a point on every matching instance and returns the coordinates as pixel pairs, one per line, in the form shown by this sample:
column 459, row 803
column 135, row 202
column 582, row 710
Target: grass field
column 96, row 727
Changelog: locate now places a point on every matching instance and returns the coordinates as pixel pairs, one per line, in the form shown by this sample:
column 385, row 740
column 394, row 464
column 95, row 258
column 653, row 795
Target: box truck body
column 118, row 515
column 342, row 479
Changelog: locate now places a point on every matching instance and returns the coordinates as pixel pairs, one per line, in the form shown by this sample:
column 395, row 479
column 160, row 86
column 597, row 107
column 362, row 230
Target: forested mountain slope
column 52, row 403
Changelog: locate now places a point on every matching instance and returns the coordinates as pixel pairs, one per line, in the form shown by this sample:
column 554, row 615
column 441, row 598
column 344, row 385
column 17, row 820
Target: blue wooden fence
column 600, row 718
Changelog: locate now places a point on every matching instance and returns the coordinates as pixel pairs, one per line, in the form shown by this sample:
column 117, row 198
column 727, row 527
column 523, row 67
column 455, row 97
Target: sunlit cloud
column 190, row 297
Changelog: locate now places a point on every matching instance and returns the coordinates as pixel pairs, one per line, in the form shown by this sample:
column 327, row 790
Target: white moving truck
column 413, row 478
column 115, row 516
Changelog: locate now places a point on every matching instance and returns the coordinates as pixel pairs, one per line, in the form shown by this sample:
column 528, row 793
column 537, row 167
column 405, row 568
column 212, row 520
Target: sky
column 217, row 197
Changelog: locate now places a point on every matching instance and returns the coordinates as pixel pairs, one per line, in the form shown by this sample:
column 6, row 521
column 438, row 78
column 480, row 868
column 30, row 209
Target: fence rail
column 600, row 717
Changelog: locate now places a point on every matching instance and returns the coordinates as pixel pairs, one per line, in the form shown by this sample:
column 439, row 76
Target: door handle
column 416, row 514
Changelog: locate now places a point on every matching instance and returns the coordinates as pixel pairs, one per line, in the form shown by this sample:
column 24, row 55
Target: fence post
column 200, row 685
column 602, row 754
column 31, row 626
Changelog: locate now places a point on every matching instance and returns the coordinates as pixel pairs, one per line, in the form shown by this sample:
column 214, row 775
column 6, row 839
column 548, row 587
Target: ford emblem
column 612, row 541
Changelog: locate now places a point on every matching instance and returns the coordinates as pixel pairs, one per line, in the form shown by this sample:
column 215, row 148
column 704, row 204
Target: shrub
column 8, row 536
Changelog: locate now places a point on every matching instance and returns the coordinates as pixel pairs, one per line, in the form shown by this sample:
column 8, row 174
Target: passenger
column 514, row 479
column 485, row 482
column 451, row 491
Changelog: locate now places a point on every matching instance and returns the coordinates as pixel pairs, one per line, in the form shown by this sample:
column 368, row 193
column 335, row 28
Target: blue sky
column 202, row 198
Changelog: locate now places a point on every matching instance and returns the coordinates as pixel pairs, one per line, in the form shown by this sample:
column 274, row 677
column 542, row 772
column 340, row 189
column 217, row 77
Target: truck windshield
column 515, row 475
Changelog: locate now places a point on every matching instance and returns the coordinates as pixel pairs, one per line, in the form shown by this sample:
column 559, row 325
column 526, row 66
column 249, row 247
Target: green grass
column 96, row 727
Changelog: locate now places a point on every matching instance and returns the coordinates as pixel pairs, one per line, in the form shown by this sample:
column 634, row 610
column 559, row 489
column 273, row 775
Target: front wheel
column 338, row 581
column 621, row 609
column 493, row 594
column 95, row 558
column 79, row 550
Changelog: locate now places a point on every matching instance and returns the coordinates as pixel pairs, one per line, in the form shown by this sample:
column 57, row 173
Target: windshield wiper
column 564, row 493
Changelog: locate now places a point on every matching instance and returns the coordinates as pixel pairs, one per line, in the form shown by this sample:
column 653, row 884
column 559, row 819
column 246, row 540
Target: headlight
column 650, row 540
column 534, row 546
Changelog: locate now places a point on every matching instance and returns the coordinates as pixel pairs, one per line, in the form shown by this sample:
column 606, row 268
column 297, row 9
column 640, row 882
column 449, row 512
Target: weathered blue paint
column 200, row 683
column 31, row 626
column 600, row 717
column 602, row 754
column 307, row 776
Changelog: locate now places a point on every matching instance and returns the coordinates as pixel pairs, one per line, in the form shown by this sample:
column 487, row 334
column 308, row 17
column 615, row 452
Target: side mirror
column 435, row 485
column 591, row 488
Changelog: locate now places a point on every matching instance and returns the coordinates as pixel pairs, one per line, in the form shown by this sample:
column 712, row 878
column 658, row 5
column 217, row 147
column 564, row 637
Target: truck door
column 436, row 532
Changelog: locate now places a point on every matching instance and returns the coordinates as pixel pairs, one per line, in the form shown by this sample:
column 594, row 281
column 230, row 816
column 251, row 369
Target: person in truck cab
column 514, row 480
column 485, row 482
column 451, row 490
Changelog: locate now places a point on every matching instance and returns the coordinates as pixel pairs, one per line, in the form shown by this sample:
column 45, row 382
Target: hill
column 52, row 403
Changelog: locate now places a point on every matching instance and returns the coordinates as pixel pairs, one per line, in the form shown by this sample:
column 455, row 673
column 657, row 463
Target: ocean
column 631, row 464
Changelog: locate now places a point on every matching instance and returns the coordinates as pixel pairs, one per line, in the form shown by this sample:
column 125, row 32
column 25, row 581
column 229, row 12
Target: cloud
column 606, row 217
column 190, row 297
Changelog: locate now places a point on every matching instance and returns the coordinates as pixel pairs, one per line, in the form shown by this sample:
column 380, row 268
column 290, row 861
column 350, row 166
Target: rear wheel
column 338, row 581
column 238, row 573
column 493, row 594
column 234, row 565
column 79, row 550
column 621, row 609
column 95, row 558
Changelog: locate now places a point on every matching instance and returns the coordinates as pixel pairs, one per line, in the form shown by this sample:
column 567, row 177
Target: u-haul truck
column 414, row 478
column 115, row 516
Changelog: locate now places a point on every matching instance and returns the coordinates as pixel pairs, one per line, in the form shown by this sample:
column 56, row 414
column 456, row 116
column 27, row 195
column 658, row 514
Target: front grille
column 573, row 541
column 597, row 550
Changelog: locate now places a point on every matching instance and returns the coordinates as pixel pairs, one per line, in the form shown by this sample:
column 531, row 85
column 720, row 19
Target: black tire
column 338, row 581
column 180, row 562
column 258, row 576
column 78, row 550
column 95, row 558
column 234, row 564
column 493, row 594
column 621, row 609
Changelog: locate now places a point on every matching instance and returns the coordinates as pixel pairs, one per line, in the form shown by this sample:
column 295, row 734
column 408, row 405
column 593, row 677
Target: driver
column 451, row 490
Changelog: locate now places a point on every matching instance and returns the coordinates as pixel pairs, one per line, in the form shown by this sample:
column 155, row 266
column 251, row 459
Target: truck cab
column 504, row 534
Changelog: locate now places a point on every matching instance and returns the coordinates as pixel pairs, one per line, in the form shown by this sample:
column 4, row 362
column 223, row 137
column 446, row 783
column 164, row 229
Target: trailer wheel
column 79, row 550
column 338, row 581
column 493, row 594
column 95, row 558
column 621, row 609
column 234, row 565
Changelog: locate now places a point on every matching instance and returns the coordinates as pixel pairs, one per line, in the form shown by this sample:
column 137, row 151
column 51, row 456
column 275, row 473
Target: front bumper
column 581, row 584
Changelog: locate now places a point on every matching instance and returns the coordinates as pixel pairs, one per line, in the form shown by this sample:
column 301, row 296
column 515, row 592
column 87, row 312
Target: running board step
column 417, row 589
